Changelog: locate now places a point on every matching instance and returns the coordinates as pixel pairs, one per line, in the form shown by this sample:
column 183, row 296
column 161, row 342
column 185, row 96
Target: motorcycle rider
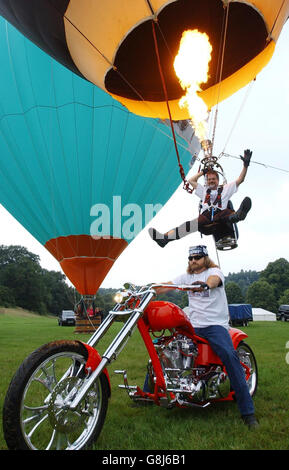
column 209, row 315
column 214, row 210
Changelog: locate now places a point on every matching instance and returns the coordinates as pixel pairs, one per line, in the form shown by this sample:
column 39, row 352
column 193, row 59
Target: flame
column 191, row 66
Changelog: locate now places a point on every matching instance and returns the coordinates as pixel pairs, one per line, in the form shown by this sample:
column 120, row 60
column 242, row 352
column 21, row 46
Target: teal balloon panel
column 66, row 145
column 68, row 149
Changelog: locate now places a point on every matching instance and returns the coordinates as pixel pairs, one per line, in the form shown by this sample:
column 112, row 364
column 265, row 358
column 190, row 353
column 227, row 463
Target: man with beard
column 214, row 211
column 209, row 315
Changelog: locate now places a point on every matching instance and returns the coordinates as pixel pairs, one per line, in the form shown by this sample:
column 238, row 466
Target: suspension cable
column 224, row 37
column 249, row 88
column 275, row 21
column 256, row 163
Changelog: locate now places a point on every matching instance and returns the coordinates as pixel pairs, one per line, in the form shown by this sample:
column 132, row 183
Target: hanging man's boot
column 160, row 238
column 242, row 212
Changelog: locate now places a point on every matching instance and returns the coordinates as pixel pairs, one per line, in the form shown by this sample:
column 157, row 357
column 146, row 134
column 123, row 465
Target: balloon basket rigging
column 209, row 161
column 88, row 316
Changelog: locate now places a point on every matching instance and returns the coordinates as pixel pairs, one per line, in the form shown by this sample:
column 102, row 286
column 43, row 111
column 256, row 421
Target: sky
column 255, row 118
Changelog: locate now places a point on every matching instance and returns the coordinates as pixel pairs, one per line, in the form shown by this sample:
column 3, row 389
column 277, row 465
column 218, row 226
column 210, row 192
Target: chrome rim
column 46, row 422
column 246, row 357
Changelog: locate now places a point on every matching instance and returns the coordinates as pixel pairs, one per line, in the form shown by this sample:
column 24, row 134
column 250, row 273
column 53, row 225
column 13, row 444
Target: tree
column 284, row 299
column 20, row 271
column 15, row 254
column 243, row 278
column 262, row 295
column 234, row 293
column 30, row 286
column 7, row 298
column 58, row 295
column 277, row 275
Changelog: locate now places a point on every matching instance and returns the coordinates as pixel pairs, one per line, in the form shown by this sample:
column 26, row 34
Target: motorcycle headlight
column 120, row 297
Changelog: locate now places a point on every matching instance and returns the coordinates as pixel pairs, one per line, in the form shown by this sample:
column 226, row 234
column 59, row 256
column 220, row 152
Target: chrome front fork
column 114, row 348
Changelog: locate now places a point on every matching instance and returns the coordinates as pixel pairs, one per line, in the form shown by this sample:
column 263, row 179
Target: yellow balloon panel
column 112, row 45
column 94, row 31
column 274, row 12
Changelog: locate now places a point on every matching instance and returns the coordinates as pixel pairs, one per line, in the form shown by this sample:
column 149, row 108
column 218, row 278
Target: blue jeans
column 221, row 343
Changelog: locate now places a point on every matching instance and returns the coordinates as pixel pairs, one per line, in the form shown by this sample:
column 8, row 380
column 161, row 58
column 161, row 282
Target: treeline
column 24, row 283
column 266, row 289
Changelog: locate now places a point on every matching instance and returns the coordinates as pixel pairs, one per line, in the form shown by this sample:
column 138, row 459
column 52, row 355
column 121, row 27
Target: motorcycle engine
column 177, row 357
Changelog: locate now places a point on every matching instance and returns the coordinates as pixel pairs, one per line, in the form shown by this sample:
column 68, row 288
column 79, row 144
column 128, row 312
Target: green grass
column 131, row 427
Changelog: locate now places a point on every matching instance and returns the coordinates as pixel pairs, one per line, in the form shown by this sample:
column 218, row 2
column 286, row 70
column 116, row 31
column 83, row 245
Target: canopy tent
column 260, row 314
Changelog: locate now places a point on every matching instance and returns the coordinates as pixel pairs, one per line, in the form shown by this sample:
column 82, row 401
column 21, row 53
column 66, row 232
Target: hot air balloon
column 67, row 149
column 126, row 49
column 115, row 44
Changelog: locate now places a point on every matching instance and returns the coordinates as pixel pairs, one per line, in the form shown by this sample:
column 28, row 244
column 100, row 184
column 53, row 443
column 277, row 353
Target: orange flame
column 191, row 66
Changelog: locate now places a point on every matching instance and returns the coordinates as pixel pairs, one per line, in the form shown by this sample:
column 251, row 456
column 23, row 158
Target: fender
column 93, row 359
column 237, row 336
column 144, row 331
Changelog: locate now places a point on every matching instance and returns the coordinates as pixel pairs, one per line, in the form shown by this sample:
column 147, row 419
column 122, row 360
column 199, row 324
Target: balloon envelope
column 111, row 44
column 73, row 159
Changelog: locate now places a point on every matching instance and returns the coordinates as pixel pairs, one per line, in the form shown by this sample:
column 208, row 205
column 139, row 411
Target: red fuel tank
column 162, row 315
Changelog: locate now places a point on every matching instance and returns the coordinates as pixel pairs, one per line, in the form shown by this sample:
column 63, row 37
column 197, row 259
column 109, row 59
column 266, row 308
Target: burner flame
column 192, row 67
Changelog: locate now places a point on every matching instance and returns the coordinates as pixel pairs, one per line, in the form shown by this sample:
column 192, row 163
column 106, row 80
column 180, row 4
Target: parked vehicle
column 67, row 317
column 283, row 313
column 58, row 398
column 240, row 314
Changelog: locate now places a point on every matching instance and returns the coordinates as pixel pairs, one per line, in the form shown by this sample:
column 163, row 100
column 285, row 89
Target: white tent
column 263, row 315
column 259, row 314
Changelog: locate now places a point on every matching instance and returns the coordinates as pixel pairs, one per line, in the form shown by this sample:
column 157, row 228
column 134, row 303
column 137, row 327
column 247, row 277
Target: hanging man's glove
column 247, row 157
column 206, row 169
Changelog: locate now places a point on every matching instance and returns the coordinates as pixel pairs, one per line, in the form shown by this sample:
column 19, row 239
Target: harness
column 217, row 201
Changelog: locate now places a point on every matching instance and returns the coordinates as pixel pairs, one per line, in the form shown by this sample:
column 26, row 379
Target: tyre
column 34, row 413
column 247, row 358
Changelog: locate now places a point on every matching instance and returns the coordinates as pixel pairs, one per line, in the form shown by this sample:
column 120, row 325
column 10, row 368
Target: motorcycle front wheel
column 35, row 416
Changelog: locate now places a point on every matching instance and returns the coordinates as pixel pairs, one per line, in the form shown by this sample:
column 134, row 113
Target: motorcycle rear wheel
column 34, row 413
column 247, row 357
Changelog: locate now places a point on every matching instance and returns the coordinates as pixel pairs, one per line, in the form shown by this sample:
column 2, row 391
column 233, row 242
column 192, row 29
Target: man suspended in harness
column 214, row 213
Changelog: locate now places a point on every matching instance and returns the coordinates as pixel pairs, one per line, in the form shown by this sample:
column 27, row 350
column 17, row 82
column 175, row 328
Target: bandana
column 198, row 250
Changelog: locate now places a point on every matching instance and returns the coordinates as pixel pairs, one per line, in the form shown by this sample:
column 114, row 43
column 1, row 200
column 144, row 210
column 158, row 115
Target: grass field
column 132, row 427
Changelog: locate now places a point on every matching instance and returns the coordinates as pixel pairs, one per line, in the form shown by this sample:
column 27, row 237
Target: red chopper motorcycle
column 58, row 398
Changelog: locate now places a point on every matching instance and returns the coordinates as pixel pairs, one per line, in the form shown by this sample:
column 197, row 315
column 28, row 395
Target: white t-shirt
column 209, row 307
column 228, row 191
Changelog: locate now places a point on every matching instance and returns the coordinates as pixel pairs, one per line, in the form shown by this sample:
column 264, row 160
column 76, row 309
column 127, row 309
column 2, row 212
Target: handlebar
column 184, row 287
column 131, row 291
